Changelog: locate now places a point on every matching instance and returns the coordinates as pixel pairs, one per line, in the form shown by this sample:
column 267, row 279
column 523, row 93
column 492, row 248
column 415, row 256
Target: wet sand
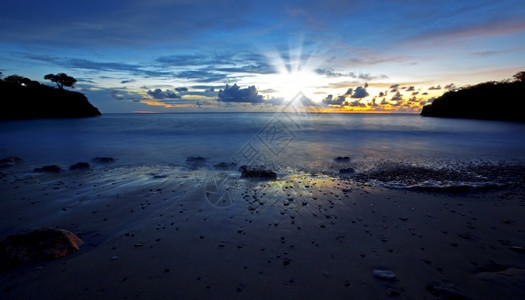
column 174, row 232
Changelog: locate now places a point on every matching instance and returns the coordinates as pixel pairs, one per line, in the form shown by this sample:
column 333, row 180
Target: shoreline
column 160, row 231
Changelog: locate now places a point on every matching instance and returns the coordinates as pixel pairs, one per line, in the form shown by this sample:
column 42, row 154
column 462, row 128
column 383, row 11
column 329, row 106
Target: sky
column 200, row 55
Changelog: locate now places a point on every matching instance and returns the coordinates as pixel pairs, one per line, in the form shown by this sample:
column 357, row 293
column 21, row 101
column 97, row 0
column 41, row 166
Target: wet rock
column 257, row 173
column 103, row 159
column 10, row 161
column 80, row 166
column 225, row 166
column 342, row 159
column 385, row 274
column 195, row 159
column 347, row 171
column 392, row 292
column 517, row 249
column 49, row 169
column 36, row 246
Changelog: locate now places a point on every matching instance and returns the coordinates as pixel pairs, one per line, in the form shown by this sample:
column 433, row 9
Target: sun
column 295, row 73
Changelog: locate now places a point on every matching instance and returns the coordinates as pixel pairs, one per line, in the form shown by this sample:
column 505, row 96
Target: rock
column 49, row 169
column 36, row 246
column 80, row 166
column 517, row 249
column 384, row 274
column 195, row 159
column 103, row 159
column 256, row 173
column 225, row 166
column 347, row 171
column 10, row 161
column 342, row 159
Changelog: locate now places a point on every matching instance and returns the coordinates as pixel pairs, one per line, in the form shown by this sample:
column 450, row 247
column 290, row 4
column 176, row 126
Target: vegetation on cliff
column 23, row 98
column 492, row 100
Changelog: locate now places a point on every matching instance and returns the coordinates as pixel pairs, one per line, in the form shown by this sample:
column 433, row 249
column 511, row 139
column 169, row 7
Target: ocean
column 281, row 141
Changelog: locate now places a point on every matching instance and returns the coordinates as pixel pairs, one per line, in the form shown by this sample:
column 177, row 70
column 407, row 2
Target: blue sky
column 171, row 56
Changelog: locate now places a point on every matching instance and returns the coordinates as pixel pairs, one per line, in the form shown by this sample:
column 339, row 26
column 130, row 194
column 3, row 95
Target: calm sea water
column 285, row 140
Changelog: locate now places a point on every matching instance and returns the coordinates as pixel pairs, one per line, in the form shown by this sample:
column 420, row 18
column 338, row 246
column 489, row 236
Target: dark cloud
column 349, row 92
column 160, row 94
column 432, row 88
column 450, row 86
column 235, row 94
column 201, row 75
column 181, row 89
column 125, row 95
column 331, row 101
column 411, row 88
column 397, row 97
column 394, row 87
column 357, row 103
column 360, row 92
column 127, row 81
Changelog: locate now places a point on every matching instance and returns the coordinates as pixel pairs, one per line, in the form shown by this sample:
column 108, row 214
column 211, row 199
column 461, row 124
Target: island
column 492, row 100
column 23, row 98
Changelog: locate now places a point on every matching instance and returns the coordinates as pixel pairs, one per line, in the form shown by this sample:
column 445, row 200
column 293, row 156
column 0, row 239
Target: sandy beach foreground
column 166, row 232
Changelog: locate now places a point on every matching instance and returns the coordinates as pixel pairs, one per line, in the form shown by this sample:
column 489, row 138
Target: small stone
column 115, row 257
column 139, row 245
column 385, row 274
column 517, row 249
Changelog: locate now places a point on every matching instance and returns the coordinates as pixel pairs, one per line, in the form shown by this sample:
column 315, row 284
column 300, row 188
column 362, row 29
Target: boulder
column 36, row 246
column 49, row 169
column 257, row 173
column 10, row 161
column 103, row 159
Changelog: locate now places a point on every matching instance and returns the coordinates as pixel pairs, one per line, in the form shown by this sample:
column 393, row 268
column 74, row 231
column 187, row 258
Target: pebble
column 384, row 274
column 115, row 257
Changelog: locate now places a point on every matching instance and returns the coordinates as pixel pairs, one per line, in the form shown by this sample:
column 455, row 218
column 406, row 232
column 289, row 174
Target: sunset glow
column 356, row 56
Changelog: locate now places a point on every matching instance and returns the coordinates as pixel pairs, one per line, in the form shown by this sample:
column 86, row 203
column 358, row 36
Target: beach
column 199, row 232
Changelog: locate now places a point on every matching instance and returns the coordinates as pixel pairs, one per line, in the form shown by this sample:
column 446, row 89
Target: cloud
column 410, row 88
column 235, row 94
column 181, row 89
column 394, row 87
column 328, row 72
column 357, row 103
column 125, row 95
column 360, row 92
column 203, row 76
column 434, row 88
column 397, row 97
column 331, row 101
column 159, row 94
column 450, row 86
column 349, row 92
column 127, row 81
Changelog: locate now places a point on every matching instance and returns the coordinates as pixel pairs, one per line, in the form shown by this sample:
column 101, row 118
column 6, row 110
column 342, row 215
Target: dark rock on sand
column 342, row 159
column 10, row 161
column 36, row 246
column 257, row 173
column 103, row 159
column 384, row 274
column 225, row 166
column 49, row 169
column 347, row 171
column 80, row 166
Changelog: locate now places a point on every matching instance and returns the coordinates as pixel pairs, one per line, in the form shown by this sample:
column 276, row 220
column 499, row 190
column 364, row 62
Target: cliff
column 490, row 101
column 33, row 100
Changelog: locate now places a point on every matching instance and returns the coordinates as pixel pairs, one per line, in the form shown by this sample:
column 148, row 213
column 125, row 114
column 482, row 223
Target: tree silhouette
column 61, row 79
column 520, row 76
